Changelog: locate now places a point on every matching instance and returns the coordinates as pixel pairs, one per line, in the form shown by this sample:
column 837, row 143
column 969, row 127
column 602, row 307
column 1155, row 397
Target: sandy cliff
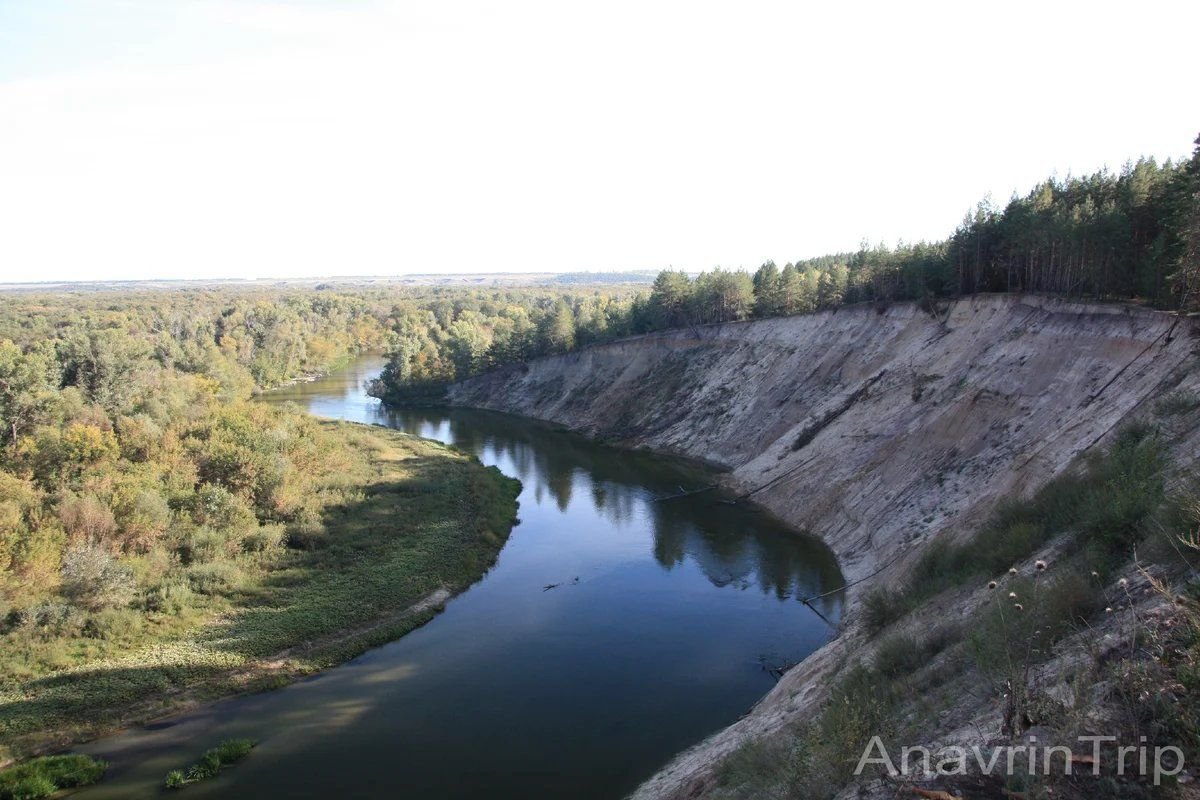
column 876, row 429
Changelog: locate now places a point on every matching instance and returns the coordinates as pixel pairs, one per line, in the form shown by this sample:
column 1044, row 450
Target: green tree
column 25, row 390
column 558, row 333
column 768, row 291
column 670, row 299
column 1186, row 278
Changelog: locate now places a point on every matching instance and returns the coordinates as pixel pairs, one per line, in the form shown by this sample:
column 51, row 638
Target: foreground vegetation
column 226, row 754
column 1042, row 581
column 44, row 776
column 224, row 602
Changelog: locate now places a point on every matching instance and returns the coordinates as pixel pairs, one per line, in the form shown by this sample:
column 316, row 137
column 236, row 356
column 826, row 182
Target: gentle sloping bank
column 881, row 429
column 404, row 523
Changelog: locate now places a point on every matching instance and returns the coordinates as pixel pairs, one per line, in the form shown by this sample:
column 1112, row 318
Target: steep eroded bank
column 880, row 430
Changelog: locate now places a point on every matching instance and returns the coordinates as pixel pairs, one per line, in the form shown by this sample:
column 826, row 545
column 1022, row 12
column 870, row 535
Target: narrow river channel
column 661, row 627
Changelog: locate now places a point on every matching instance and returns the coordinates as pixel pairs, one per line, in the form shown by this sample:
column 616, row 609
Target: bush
column 265, row 539
column 214, row 578
column 172, row 596
column 231, row 751
column 93, row 579
column 58, row 618
column 33, row 787
column 1180, row 402
column 204, row 545
column 899, row 655
column 212, row 762
column 42, row 777
column 881, row 607
column 87, row 519
column 113, row 624
column 216, row 507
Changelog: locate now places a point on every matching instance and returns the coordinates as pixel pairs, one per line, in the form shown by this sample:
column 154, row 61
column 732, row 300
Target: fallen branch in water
column 684, row 493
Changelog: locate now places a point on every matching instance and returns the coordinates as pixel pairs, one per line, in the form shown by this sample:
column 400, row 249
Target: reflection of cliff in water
column 735, row 547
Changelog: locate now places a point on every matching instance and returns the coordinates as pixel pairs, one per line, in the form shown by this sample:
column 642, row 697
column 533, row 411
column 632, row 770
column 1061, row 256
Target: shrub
column 172, row 596
column 217, row 507
column 204, row 545
column 32, row 787
column 265, row 539
column 87, row 519
column 93, row 579
column 1179, row 402
column 143, row 518
column 213, row 578
column 307, row 532
column 231, row 751
column 113, row 624
column 212, row 762
column 881, row 607
column 42, row 777
column 56, row 617
column 899, row 655
column 858, row 709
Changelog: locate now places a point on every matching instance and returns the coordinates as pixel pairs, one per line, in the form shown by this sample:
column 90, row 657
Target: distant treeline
column 1133, row 235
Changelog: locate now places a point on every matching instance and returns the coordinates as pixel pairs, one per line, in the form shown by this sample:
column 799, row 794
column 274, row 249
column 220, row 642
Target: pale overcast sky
column 205, row 138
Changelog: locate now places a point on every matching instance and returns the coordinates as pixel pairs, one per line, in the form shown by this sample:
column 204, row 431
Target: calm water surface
column 656, row 635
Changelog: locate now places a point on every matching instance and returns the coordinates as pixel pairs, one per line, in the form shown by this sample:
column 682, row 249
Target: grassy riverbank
column 398, row 520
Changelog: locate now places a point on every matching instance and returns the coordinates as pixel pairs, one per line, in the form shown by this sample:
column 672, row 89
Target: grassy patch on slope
column 403, row 518
column 1106, row 505
column 42, row 777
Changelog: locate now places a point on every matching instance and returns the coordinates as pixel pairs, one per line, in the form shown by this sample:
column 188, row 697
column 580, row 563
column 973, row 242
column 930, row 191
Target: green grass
column 407, row 517
column 815, row 759
column 225, row 754
column 1177, row 403
column 1107, row 505
column 44, row 776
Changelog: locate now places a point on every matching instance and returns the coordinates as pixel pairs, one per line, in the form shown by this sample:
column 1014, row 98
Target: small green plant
column 1177, row 403
column 882, row 607
column 42, row 777
column 815, row 759
column 899, row 655
column 210, row 764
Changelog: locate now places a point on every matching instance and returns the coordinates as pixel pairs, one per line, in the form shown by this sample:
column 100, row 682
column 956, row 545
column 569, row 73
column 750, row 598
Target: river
column 662, row 625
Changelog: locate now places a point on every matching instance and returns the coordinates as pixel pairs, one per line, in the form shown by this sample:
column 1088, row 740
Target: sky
column 262, row 138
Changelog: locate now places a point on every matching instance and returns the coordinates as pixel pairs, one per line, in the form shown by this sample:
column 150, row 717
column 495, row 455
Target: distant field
column 464, row 279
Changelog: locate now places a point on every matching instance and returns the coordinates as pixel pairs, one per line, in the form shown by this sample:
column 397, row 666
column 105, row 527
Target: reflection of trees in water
column 733, row 546
column 743, row 548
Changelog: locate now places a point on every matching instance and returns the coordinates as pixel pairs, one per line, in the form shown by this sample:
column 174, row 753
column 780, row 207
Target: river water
column 663, row 622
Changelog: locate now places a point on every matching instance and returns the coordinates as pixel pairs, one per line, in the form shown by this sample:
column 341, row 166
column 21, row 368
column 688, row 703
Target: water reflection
column 732, row 545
